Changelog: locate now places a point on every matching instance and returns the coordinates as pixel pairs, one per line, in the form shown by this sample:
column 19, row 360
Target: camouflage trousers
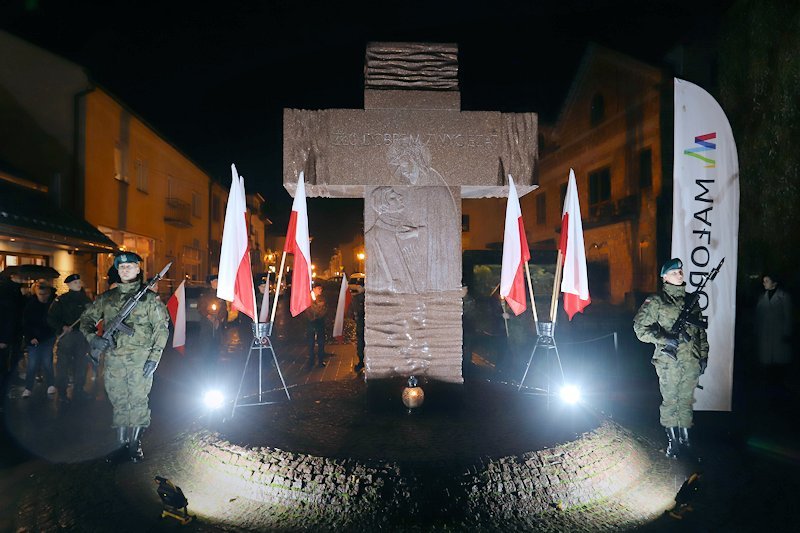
column 127, row 390
column 677, row 381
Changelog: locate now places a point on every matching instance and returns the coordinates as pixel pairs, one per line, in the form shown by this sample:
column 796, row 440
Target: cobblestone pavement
column 325, row 461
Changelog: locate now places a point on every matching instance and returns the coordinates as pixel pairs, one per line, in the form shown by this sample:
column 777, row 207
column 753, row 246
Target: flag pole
column 277, row 289
column 533, row 303
column 556, row 281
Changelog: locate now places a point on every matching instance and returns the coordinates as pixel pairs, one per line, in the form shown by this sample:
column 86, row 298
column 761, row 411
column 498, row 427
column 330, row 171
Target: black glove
column 703, row 365
column 149, row 368
column 97, row 346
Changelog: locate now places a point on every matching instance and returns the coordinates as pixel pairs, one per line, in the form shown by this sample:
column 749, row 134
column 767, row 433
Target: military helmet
column 126, row 257
column 672, row 264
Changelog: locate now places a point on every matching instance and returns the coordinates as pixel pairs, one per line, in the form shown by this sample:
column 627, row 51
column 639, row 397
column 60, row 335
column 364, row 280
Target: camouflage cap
column 126, row 257
column 672, row 264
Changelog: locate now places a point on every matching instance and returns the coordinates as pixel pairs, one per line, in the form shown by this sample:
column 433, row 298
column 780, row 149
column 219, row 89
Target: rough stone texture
column 429, row 66
column 597, row 482
column 343, row 150
column 412, row 155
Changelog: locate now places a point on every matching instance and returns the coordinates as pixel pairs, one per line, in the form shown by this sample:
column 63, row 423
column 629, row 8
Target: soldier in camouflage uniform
column 129, row 366
column 677, row 379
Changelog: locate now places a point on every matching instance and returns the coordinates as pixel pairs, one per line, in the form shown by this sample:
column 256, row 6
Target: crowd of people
column 44, row 326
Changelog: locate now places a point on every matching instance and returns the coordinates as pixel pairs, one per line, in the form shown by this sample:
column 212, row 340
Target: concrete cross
column 412, row 154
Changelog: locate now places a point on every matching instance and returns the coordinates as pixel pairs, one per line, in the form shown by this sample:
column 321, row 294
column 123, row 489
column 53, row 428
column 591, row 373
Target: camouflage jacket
column 148, row 321
column 656, row 317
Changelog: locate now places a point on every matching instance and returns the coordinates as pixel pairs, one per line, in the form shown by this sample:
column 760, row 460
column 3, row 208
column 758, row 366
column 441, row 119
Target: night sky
column 213, row 79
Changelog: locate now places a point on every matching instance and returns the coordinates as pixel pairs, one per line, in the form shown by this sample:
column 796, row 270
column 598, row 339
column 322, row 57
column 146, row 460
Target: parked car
column 193, row 293
column 356, row 283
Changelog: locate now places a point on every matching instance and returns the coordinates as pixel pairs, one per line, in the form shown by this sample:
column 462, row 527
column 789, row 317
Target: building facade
column 96, row 161
column 610, row 132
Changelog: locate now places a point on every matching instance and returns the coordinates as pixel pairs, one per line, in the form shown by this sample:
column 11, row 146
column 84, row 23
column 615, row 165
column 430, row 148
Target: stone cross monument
column 412, row 154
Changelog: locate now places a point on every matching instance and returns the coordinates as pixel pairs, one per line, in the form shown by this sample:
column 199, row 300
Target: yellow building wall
column 168, row 173
column 626, row 243
column 486, row 222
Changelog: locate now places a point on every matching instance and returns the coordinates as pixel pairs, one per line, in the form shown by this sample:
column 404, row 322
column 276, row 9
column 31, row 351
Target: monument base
column 333, row 459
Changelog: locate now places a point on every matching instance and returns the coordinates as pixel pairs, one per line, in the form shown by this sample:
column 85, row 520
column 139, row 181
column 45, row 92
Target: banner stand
column 260, row 342
column 547, row 342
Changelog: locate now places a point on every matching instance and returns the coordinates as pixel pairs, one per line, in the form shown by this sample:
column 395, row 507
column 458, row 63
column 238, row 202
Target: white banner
column 705, row 227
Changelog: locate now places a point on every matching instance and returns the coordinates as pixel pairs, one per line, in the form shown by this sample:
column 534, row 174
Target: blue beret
column 672, row 264
column 71, row 278
column 126, row 257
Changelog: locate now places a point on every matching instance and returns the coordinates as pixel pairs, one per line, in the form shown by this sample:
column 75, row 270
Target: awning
column 31, row 215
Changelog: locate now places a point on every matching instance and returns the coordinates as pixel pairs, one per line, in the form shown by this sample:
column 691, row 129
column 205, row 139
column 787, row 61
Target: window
column 464, row 223
column 141, row 174
column 195, row 205
column 171, row 189
column 118, row 164
column 599, row 191
column 215, row 208
column 541, row 209
column 598, row 110
column 645, row 168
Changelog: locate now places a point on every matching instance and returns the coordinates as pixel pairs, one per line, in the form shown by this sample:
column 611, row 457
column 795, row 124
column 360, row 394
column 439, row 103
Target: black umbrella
column 32, row 272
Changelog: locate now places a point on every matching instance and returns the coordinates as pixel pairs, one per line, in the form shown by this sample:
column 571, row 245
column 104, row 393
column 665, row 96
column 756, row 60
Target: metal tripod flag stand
column 260, row 342
column 545, row 331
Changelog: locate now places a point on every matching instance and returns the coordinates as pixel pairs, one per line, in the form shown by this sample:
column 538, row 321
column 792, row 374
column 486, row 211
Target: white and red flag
column 176, row 305
column 297, row 244
column 515, row 253
column 574, row 281
column 235, row 283
column 345, row 298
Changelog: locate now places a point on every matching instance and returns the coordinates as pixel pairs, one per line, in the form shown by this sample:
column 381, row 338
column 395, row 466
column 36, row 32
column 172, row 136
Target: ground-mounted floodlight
column 213, row 399
column 570, row 394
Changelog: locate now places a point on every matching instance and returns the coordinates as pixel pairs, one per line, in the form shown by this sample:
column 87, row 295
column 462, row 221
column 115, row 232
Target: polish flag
column 574, row 281
column 297, row 244
column 235, row 283
column 345, row 298
column 176, row 305
column 515, row 253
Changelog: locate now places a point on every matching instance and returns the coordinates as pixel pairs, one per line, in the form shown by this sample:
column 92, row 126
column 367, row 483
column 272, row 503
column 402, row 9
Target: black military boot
column 135, row 449
column 123, row 439
column 683, row 436
column 673, row 444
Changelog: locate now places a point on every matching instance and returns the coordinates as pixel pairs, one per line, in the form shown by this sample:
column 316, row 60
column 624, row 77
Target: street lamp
column 361, row 256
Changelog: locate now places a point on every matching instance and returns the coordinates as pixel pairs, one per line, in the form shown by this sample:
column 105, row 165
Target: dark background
column 213, row 78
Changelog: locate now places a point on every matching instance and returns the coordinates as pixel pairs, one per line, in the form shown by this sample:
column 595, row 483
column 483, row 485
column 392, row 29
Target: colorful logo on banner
column 703, row 145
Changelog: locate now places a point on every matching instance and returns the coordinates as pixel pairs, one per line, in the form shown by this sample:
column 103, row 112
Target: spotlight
column 173, row 503
column 213, row 399
column 570, row 394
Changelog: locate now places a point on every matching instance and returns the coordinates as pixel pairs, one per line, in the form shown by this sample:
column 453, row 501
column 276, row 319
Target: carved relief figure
column 411, row 161
column 432, row 202
column 399, row 245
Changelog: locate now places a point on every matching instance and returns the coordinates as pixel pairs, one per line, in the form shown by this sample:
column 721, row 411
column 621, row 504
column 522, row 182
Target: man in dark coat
column 774, row 321
column 40, row 338
column 71, row 348
column 12, row 302
column 315, row 326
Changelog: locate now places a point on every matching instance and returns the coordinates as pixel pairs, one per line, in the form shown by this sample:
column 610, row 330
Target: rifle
column 100, row 344
column 685, row 318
